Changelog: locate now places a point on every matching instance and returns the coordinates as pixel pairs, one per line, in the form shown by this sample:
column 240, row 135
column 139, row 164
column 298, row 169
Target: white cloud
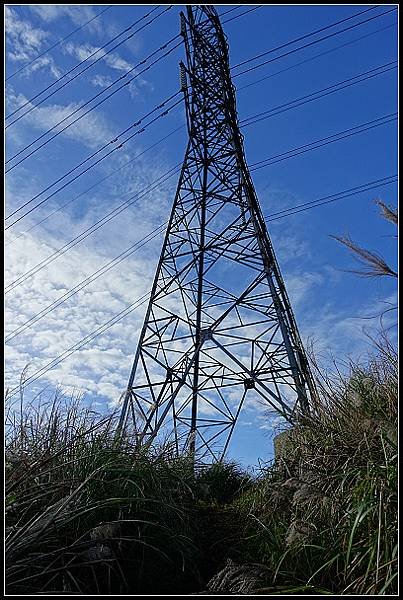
column 101, row 368
column 78, row 14
column 102, row 81
column 114, row 61
column 117, row 62
column 92, row 130
column 89, row 368
column 301, row 284
column 341, row 335
column 24, row 39
column 24, row 42
column 135, row 88
column 84, row 51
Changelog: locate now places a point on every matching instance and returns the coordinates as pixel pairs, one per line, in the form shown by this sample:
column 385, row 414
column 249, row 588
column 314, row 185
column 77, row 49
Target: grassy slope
column 84, row 515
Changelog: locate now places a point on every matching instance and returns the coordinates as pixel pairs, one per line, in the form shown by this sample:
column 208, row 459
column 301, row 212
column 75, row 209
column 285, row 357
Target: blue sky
column 331, row 306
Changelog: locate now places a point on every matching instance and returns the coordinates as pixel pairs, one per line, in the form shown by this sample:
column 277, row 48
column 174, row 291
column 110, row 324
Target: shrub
column 222, row 482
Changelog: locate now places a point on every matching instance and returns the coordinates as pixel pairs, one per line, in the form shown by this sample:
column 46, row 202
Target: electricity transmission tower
column 219, row 331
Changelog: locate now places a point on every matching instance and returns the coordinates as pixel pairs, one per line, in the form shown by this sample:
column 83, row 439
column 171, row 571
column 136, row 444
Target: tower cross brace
column 219, row 333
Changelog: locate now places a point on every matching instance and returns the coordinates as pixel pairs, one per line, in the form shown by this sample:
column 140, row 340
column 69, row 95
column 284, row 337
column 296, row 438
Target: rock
column 99, row 552
column 108, row 530
column 238, row 579
column 105, row 538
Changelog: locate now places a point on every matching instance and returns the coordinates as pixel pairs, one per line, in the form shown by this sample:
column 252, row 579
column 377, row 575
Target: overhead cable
column 87, row 232
column 122, row 314
column 330, row 139
column 122, row 143
column 257, row 165
column 302, row 37
column 81, row 106
column 155, row 232
column 97, row 183
column 63, row 39
column 330, row 35
column 306, row 60
column 356, row 79
column 80, row 72
column 87, row 281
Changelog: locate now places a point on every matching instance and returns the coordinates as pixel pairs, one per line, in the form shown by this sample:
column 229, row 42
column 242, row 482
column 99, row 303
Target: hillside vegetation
column 87, row 515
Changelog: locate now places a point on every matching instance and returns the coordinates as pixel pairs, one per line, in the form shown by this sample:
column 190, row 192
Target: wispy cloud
column 301, row 285
column 50, row 13
column 94, row 129
column 102, row 367
column 25, row 40
column 113, row 60
column 78, row 14
column 83, row 51
column 101, row 81
column 343, row 334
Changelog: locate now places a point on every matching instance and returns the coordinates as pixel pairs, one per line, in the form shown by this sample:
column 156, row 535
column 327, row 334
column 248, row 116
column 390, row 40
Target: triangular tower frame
column 219, row 326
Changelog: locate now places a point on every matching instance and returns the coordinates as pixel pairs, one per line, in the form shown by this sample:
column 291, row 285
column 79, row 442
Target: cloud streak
column 92, row 130
column 24, row 39
column 49, row 13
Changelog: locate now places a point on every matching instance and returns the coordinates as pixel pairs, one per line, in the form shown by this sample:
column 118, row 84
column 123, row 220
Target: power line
column 162, row 47
column 245, row 122
column 80, row 165
column 103, row 91
column 94, row 334
column 87, row 232
column 336, row 137
column 57, row 43
column 152, row 234
column 97, row 60
column 302, row 37
column 326, row 91
column 245, row 125
column 257, row 165
column 228, row 11
column 242, row 14
column 87, row 281
column 83, row 70
column 113, row 172
column 311, row 43
column 333, row 197
column 164, row 113
column 122, row 314
column 300, row 99
column 95, row 106
column 183, row 126
column 94, row 164
column 254, row 166
column 255, row 82
column 174, row 131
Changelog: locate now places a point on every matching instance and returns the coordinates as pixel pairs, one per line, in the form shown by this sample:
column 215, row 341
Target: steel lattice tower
column 219, row 327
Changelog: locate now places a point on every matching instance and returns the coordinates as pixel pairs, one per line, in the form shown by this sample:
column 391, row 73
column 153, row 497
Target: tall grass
column 87, row 514
column 324, row 516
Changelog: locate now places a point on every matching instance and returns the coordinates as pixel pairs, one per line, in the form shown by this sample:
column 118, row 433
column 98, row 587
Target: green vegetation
column 87, row 515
